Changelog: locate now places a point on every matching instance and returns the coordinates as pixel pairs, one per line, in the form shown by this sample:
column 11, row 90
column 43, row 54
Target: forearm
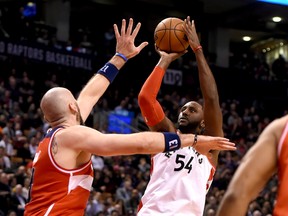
column 150, row 107
column 206, row 78
column 117, row 61
column 95, row 88
column 232, row 205
column 164, row 62
column 137, row 143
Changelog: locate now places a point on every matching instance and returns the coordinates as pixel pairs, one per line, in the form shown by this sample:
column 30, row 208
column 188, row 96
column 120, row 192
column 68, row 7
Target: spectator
column 7, row 144
column 124, row 193
column 5, row 162
column 94, row 204
column 5, row 192
column 33, row 144
column 279, row 68
column 18, row 202
column 97, row 162
column 25, row 189
column 143, row 165
column 9, row 129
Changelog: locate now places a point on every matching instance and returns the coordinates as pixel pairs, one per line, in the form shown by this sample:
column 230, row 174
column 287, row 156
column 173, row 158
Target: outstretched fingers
column 125, row 39
column 225, row 145
column 141, row 46
column 130, row 26
column 222, row 143
column 193, row 26
column 136, row 30
column 123, row 27
column 116, row 31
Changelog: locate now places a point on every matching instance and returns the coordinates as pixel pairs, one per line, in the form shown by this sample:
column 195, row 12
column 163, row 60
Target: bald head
column 55, row 104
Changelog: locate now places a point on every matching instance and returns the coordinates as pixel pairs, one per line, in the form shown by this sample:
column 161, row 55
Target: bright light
column 276, row 19
column 246, row 38
column 281, row 2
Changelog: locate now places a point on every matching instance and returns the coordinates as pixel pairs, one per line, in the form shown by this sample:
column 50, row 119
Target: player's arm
column 125, row 49
column 212, row 109
column 255, row 170
column 151, row 109
column 85, row 139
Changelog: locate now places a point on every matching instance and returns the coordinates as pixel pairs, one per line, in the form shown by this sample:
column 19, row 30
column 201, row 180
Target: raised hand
column 191, row 33
column 126, row 38
column 166, row 58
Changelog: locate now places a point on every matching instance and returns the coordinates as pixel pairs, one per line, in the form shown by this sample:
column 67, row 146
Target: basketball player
column 269, row 155
column 180, row 179
column 62, row 172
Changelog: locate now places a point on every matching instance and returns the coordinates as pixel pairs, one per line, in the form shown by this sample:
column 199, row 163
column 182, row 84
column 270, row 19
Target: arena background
column 63, row 43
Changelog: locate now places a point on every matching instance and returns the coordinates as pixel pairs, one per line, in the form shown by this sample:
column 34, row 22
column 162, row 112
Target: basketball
column 169, row 35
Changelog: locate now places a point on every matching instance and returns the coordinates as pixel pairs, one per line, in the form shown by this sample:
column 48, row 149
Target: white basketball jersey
column 178, row 184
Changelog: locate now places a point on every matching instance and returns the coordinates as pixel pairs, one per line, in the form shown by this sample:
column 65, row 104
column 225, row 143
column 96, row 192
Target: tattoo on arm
column 54, row 147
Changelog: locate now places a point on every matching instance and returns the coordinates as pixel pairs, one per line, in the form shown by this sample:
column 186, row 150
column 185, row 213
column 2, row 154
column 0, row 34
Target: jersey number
column 180, row 159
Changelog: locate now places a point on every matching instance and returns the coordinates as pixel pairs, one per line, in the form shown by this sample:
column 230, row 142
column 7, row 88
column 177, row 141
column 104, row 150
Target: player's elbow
column 230, row 197
column 143, row 98
column 236, row 195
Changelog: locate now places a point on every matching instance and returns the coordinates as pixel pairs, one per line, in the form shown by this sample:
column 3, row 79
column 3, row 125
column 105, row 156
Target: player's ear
column 202, row 126
column 45, row 118
column 72, row 107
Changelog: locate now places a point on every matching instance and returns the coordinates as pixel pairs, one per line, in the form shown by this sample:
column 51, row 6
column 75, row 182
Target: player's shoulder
column 276, row 127
column 280, row 122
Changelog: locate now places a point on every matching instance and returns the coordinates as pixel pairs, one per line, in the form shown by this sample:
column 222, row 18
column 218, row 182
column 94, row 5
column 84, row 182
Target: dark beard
column 190, row 128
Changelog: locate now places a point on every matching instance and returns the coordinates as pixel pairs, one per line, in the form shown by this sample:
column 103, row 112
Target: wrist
column 117, row 61
column 109, row 70
column 199, row 47
column 122, row 56
column 172, row 141
column 165, row 61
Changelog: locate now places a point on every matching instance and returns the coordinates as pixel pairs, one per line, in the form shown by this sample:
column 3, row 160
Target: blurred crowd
column 120, row 181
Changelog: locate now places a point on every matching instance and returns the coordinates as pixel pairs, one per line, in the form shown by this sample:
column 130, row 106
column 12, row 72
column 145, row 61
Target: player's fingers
column 193, row 26
column 227, row 147
column 227, row 142
column 123, row 27
column 136, row 30
column 219, row 139
column 116, row 31
column 142, row 45
column 156, row 48
column 130, row 25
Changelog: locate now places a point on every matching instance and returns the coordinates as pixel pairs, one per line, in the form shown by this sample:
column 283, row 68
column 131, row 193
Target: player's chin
column 182, row 122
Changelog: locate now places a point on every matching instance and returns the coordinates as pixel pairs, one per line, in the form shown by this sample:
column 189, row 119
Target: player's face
column 191, row 114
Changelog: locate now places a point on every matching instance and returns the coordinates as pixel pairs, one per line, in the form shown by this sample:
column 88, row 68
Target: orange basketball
column 169, row 35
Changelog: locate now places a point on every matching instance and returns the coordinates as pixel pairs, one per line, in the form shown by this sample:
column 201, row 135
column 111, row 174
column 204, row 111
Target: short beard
column 190, row 128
